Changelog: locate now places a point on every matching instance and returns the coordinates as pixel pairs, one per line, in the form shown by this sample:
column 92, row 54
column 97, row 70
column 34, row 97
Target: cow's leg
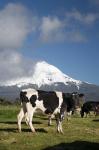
column 19, row 118
column 61, row 118
column 26, row 118
column 49, row 120
column 30, row 116
column 59, row 124
column 87, row 114
column 60, row 127
column 69, row 115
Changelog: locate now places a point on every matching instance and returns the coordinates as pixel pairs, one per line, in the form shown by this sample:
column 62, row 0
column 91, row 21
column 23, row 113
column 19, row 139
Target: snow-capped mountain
column 44, row 74
column 48, row 77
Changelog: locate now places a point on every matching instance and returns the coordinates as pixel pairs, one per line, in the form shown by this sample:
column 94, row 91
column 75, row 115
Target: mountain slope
column 48, row 77
column 43, row 74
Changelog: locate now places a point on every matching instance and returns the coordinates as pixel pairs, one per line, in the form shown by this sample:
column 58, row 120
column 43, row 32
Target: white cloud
column 13, row 65
column 85, row 19
column 16, row 23
column 71, row 28
column 14, row 26
column 51, row 29
column 56, row 30
column 75, row 36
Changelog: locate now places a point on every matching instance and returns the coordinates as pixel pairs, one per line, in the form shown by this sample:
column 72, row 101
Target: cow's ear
column 25, row 93
column 81, row 95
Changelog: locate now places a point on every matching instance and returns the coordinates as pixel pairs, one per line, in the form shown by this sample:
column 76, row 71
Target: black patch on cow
column 81, row 95
column 63, row 107
column 68, row 102
column 33, row 99
column 50, row 100
column 89, row 106
column 23, row 97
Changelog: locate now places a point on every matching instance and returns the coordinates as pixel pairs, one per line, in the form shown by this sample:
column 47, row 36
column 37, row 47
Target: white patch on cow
column 29, row 108
column 78, row 110
column 30, row 92
column 69, row 113
column 40, row 105
column 59, row 95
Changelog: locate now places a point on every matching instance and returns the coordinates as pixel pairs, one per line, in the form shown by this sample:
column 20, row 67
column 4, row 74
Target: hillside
column 48, row 77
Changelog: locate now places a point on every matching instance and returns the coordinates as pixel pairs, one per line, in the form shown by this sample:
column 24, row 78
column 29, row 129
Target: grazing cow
column 97, row 110
column 78, row 102
column 75, row 101
column 51, row 103
column 88, row 107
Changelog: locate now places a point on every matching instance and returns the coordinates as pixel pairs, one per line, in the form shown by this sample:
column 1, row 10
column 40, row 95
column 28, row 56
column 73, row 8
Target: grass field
column 79, row 133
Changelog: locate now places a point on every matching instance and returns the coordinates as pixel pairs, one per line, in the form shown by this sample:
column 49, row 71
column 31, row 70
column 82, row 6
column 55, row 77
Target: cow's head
column 78, row 99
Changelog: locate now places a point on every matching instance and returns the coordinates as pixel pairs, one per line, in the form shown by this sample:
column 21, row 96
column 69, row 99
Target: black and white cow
column 51, row 103
column 88, row 107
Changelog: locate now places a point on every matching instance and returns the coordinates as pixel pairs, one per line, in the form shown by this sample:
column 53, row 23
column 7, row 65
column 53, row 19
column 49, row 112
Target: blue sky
column 64, row 33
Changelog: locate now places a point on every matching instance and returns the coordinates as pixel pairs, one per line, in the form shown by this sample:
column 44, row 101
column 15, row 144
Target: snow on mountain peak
column 43, row 74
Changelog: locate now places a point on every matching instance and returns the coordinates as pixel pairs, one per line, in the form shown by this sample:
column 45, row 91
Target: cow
column 88, row 107
column 78, row 102
column 52, row 103
column 75, row 101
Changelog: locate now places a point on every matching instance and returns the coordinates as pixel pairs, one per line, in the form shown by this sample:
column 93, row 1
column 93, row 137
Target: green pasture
column 79, row 133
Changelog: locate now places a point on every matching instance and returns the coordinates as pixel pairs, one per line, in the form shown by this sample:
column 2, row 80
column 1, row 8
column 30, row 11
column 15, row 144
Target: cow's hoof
column 62, row 132
column 58, row 131
column 49, row 124
column 19, row 131
column 33, row 131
